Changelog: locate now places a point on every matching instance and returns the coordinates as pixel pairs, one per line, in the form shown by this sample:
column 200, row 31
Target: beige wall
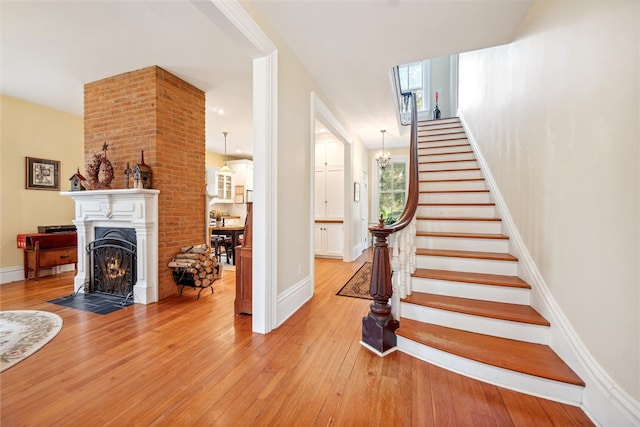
column 294, row 160
column 31, row 130
column 556, row 115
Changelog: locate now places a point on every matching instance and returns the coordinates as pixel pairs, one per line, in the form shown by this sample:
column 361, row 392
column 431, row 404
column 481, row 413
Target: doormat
column 359, row 284
column 93, row 302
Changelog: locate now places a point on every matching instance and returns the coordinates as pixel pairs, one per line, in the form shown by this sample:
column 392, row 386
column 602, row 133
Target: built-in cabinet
column 328, row 239
column 329, row 198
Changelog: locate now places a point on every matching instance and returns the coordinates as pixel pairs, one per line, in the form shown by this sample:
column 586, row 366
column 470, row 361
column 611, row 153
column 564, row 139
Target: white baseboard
column 603, row 399
column 11, row 274
column 292, row 299
column 16, row 273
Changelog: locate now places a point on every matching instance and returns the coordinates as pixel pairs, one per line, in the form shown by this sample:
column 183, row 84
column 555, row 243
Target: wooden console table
column 44, row 250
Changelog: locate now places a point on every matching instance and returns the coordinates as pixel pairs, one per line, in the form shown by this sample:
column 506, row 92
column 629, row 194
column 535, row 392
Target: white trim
column 320, row 111
column 293, row 298
column 603, row 398
column 379, row 353
column 242, row 21
column 14, row 274
column 265, row 141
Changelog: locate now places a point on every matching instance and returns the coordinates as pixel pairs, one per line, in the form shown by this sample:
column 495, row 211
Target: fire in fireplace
column 112, row 258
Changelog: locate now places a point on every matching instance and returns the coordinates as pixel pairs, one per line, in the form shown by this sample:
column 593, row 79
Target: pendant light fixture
column 225, row 168
column 383, row 158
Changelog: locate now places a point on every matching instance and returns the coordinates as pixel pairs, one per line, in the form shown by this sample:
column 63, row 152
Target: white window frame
column 425, row 112
column 375, row 183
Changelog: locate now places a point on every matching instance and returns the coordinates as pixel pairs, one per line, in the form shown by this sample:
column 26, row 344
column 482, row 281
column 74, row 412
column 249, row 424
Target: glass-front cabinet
column 224, row 187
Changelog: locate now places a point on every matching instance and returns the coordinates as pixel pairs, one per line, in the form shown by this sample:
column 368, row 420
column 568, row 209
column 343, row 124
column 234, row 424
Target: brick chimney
column 153, row 110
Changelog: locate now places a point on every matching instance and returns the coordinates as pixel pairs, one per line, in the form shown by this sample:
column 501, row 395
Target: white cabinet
column 329, row 180
column 224, row 187
column 219, row 185
column 328, row 239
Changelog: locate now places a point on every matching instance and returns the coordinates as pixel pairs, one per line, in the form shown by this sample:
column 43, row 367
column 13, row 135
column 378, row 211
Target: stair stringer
column 603, row 400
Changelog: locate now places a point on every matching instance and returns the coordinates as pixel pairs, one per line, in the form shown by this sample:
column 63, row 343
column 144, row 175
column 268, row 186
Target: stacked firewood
column 199, row 263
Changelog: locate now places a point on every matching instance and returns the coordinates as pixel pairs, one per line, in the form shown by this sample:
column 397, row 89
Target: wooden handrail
column 378, row 328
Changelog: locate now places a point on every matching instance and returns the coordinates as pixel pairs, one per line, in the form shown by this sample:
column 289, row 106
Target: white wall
column 556, row 115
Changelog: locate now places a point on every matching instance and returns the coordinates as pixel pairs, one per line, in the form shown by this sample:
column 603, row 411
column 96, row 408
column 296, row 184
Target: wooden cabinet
column 244, row 269
column 328, row 239
column 37, row 258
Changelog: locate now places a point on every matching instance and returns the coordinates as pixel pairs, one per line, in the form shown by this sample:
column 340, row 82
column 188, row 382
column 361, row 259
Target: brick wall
column 153, row 110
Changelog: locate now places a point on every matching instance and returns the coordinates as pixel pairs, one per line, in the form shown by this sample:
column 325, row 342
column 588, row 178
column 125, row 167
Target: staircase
column 469, row 311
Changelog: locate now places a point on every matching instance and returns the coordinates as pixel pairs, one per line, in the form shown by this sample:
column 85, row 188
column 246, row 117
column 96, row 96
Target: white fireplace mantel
column 131, row 208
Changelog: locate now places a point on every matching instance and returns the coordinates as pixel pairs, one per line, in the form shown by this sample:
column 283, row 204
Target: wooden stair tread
column 452, row 170
column 440, row 218
column 451, row 180
column 480, row 278
column 456, row 204
column 518, row 356
column 491, row 309
column 496, row 256
column 462, row 235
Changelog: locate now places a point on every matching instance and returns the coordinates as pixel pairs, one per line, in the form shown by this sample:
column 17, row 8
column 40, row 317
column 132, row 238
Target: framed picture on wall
column 356, row 191
column 42, row 174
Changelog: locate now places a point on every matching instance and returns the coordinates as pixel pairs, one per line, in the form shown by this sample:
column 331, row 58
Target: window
column 392, row 190
column 415, row 77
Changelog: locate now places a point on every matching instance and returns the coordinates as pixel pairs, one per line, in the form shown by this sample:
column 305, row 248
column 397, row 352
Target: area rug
column 23, row 332
column 359, row 284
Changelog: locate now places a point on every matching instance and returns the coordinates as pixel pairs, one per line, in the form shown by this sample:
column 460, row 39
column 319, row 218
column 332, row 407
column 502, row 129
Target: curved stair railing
column 378, row 328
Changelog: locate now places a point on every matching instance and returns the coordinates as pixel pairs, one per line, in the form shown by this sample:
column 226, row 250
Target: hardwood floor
column 185, row 361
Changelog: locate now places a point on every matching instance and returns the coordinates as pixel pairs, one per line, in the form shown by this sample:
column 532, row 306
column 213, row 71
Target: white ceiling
column 50, row 49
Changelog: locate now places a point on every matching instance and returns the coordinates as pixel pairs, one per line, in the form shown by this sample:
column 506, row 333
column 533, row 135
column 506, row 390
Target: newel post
column 378, row 328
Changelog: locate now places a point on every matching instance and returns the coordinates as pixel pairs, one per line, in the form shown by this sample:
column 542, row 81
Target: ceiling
column 50, row 49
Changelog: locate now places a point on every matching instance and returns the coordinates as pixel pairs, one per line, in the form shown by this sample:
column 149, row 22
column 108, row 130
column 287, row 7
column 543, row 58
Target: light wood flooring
column 184, row 362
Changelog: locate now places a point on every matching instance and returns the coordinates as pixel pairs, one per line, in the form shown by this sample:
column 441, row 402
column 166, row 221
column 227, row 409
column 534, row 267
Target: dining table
column 234, row 232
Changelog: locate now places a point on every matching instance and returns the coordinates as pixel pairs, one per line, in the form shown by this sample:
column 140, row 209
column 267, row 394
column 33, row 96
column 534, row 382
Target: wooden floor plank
column 185, row 361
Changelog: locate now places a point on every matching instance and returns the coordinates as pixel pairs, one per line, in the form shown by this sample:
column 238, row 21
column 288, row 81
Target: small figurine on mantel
column 77, row 181
column 127, row 173
column 143, row 172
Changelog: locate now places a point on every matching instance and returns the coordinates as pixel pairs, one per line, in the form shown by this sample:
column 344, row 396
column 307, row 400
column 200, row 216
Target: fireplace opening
column 112, row 258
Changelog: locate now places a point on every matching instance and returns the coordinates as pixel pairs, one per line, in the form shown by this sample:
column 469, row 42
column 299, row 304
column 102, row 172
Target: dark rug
column 93, row 302
column 359, row 284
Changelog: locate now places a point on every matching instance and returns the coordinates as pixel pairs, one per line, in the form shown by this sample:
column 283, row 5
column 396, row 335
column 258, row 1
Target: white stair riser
column 481, row 325
column 439, row 150
column 489, row 227
column 468, row 265
column 463, row 244
column 457, row 211
column 429, row 175
column 477, row 291
column 554, row 390
column 479, row 184
column 447, row 156
column 455, row 197
column 448, row 166
column 440, row 128
column 451, row 135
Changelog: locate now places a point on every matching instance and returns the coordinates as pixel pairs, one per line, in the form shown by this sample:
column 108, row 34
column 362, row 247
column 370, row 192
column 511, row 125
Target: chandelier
column 383, row 158
column 225, row 168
